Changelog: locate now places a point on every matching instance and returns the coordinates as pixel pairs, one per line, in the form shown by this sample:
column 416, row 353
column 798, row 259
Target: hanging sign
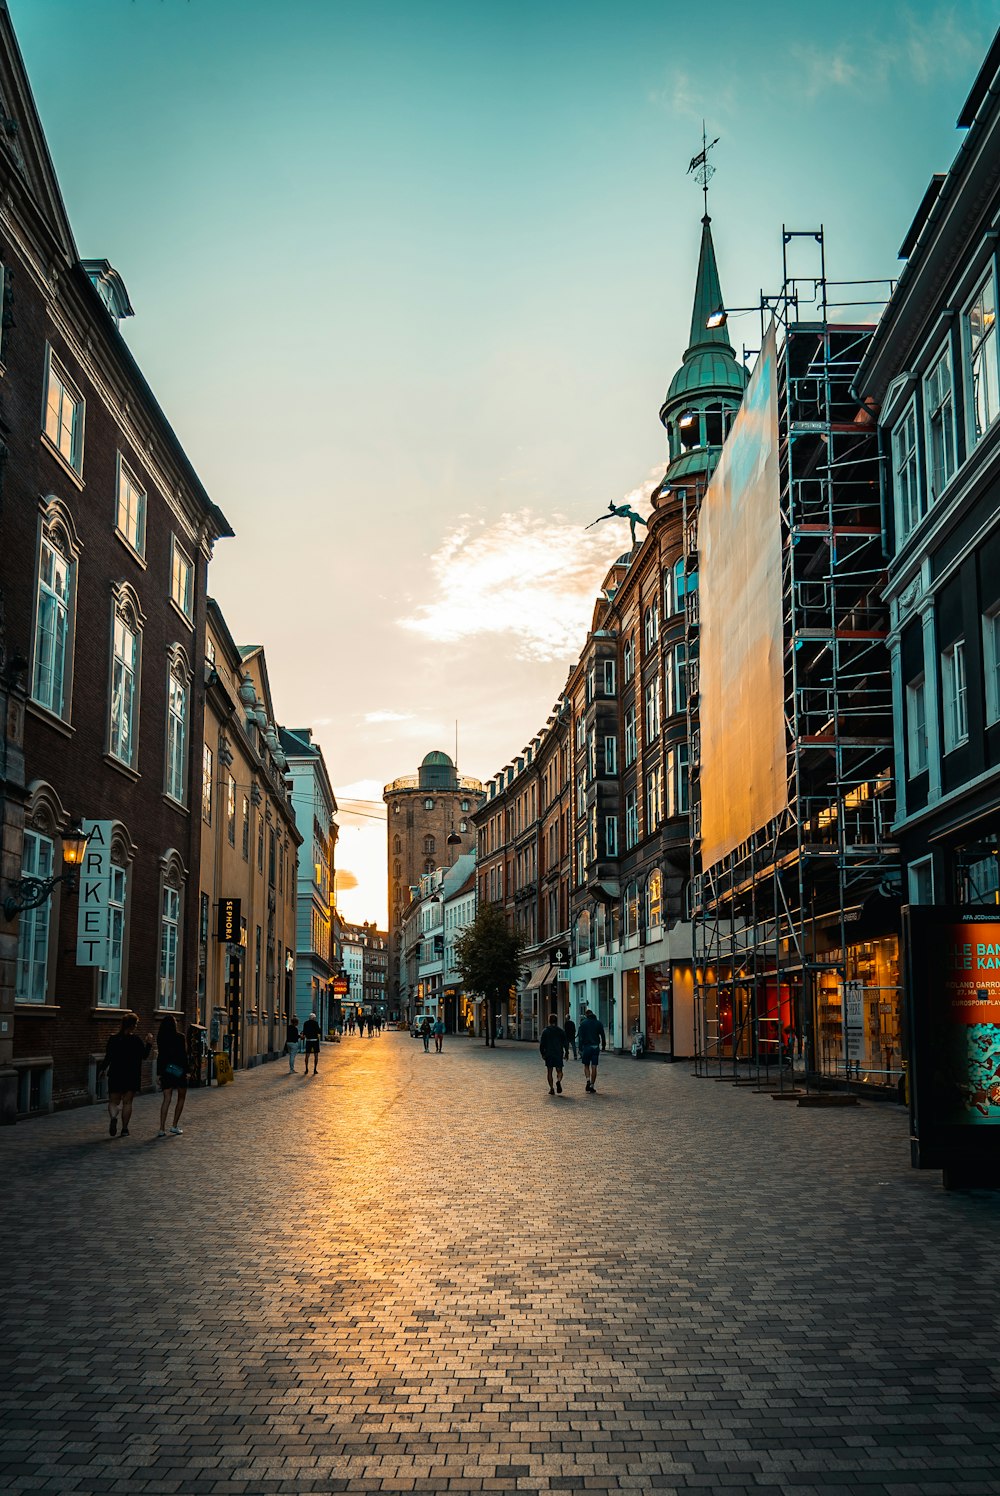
column 228, row 921
column 92, row 923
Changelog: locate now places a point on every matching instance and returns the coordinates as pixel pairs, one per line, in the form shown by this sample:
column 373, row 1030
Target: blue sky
column 411, row 280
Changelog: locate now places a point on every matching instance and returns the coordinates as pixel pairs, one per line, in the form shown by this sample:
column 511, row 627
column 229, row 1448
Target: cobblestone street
column 422, row 1273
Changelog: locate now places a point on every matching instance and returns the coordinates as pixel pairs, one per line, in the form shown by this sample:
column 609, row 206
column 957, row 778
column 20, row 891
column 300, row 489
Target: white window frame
column 631, row 737
column 917, row 743
column 178, row 716
column 129, row 487
column 207, row 783
column 170, row 945
column 631, row 819
column 654, row 800
column 609, row 677
column 909, row 496
column 126, row 676
column 611, row 755
column 628, row 658
column 991, row 663
column 651, row 625
column 989, row 385
column 954, row 696
column 184, row 603
column 940, row 431
column 58, row 642
column 68, row 400
column 653, row 708
column 611, row 836
column 31, row 979
column 110, row 979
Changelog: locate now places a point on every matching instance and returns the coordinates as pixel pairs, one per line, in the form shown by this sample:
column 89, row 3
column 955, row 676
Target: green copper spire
column 707, row 298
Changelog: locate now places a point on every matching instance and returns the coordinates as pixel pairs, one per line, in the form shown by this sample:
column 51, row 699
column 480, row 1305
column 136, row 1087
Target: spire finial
column 702, row 169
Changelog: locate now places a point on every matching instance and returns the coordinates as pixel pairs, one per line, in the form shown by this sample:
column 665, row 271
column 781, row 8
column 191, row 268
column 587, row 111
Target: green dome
column 436, row 758
column 437, row 772
column 711, row 370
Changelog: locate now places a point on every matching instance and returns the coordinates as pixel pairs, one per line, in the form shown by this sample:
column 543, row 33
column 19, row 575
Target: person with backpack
column 592, row 1040
column 554, row 1048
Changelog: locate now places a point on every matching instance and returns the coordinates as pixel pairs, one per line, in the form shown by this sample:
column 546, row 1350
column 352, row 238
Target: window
column 991, row 663
column 465, row 805
column 397, row 845
column 463, row 825
column 920, row 881
column 109, row 992
column 592, row 753
column 272, row 860
column 677, row 780
column 63, row 414
column 170, row 922
column 651, row 625
column 628, row 659
column 631, row 909
column 428, row 804
column 122, row 733
column 981, row 357
column 630, row 737
column 611, row 836
column 32, row 976
column 230, row 810
column 130, row 520
column 177, row 718
column 206, row 784
column 609, row 677
column 677, row 680
column 581, row 859
column 909, row 500
column 953, row 695
column 245, row 848
column 611, row 755
column 631, row 819
column 182, row 580
column 916, row 726
column 53, row 615
column 653, row 709
column 939, row 413
column 257, row 963
column 654, row 900
column 260, row 846
column 654, row 801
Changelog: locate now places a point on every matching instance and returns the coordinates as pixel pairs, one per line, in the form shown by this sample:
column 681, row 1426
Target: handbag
column 173, row 1072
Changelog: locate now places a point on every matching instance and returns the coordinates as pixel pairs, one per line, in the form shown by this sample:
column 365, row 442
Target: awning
column 543, row 976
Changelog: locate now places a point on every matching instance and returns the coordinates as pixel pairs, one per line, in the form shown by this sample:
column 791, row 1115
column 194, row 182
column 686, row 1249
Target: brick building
column 105, row 537
column 428, row 824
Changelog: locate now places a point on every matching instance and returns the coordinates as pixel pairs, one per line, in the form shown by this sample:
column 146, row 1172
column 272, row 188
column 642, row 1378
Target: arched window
column 463, row 825
column 397, row 844
column 55, row 610
column 654, row 900
column 428, row 866
column 397, row 871
column 429, row 845
column 126, row 653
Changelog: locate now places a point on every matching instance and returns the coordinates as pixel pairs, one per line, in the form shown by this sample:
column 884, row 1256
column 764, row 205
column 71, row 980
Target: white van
column 418, row 1020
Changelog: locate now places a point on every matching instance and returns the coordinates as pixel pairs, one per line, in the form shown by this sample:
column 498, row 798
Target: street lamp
column 30, row 893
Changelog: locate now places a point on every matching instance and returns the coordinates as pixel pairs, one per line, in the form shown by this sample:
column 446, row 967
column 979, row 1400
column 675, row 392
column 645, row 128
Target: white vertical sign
column 854, row 1020
column 95, row 888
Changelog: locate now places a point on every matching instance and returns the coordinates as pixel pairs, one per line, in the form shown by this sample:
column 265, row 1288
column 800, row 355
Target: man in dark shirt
column 592, row 1040
column 310, row 1033
column 553, row 1048
column 124, row 1054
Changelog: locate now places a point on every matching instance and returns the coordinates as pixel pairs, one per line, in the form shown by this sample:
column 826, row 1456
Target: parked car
column 418, row 1020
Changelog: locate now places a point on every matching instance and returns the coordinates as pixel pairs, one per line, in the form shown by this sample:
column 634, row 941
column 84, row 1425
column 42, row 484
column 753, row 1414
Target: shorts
column 123, row 1085
column 553, row 1061
column 590, row 1054
column 312, row 1046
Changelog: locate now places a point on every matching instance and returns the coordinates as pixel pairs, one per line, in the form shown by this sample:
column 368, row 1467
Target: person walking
column 171, row 1068
column 124, row 1054
column 425, row 1034
column 310, row 1033
column 292, row 1042
column 592, row 1040
column 569, row 1029
column 438, row 1035
column 553, row 1047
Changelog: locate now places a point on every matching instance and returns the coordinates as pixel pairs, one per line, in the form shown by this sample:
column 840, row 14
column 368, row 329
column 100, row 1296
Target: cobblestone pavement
column 422, row 1273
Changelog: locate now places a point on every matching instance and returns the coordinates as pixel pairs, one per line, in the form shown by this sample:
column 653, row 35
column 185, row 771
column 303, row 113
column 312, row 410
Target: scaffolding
column 791, row 970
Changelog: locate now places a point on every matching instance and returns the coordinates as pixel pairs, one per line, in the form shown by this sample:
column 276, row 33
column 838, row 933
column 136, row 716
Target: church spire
column 707, row 299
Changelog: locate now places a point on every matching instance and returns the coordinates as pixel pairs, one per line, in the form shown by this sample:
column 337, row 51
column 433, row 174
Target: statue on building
column 621, row 511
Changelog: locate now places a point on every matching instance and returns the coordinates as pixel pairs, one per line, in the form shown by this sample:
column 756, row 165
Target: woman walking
column 171, row 1068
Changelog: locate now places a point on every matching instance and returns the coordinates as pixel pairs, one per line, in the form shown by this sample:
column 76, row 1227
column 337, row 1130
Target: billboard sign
column 741, row 672
column 93, row 911
column 953, row 988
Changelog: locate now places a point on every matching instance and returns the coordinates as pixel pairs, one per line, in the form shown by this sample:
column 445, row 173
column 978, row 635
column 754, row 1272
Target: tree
column 490, row 960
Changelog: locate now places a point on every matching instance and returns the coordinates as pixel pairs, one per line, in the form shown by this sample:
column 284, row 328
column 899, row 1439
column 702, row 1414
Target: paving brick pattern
column 422, row 1273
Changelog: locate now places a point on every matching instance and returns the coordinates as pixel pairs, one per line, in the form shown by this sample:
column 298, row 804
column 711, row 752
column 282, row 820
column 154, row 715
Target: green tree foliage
column 490, row 960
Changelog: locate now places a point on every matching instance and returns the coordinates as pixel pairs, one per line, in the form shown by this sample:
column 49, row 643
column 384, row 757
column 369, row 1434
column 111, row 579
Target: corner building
column 428, row 825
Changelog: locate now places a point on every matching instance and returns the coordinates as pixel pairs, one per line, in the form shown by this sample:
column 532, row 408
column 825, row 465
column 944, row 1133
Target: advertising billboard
column 743, row 759
column 953, row 988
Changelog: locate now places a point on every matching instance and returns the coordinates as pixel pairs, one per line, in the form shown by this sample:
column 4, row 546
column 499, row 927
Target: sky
column 411, row 280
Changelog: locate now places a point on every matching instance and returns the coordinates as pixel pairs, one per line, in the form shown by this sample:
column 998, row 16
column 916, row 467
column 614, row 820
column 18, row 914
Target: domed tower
column 428, row 826
column 706, row 391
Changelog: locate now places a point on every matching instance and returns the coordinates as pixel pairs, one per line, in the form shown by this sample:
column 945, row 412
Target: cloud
column 528, row 576
column 927, row 47
column 386, row 715
column 345, row 879
column 361, row 789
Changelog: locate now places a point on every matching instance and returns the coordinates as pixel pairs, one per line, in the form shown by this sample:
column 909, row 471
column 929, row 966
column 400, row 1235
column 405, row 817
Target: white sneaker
column 177, row 1131
column 161, row 1133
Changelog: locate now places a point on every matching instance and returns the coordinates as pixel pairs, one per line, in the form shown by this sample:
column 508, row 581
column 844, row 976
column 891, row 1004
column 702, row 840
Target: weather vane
column 700, row 167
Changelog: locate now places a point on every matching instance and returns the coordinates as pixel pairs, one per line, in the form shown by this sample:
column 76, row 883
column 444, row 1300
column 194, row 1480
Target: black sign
column 228, row 925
